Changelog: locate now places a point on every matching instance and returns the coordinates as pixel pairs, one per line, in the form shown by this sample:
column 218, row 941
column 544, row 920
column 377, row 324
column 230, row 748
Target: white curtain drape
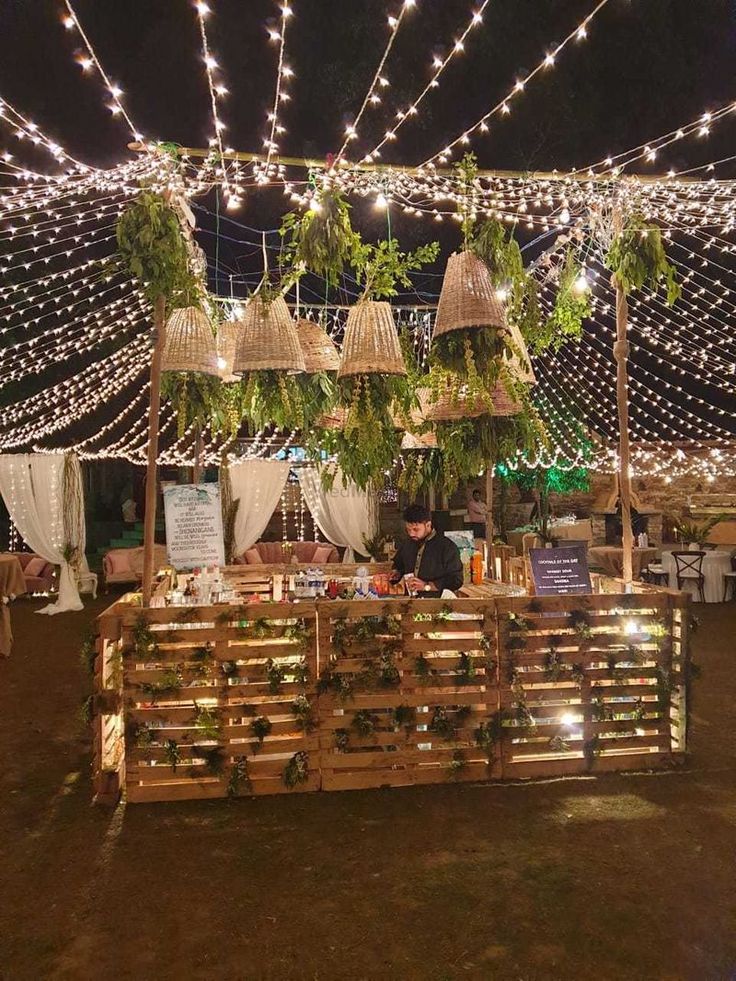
column 32, row 486
column 259, row 485
column 344, row 514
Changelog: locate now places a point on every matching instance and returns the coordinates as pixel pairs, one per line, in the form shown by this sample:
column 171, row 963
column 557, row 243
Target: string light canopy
column 60, row 318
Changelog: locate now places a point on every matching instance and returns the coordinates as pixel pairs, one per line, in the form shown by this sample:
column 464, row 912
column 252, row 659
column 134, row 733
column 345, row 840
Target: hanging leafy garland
column 322, row 240
column 637, row 258
column 369, row 442
column 195, row 397
column 572, row 307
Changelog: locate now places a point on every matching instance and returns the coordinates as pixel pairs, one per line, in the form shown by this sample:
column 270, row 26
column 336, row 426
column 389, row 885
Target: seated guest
column 428, row 561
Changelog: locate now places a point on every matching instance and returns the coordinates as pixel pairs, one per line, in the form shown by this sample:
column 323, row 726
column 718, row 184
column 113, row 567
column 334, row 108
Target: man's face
column 418, row 530
column 476, row 495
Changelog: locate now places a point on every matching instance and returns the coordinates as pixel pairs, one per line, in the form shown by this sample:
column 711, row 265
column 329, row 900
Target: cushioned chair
column 656, row 574
column 273, row 553
column 125, row 565
column 40, row 575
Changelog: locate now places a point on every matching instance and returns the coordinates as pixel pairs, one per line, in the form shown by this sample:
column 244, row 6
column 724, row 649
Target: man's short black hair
column 476, row 491
column 417, row 513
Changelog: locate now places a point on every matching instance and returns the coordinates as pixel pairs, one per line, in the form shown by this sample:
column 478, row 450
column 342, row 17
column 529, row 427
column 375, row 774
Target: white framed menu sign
column 193, row 518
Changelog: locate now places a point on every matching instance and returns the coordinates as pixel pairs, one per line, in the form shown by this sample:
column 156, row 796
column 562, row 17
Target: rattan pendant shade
column 320, row 353
column 371, row 345
column 189, row 343
column 227, row 339
column 468, row 298
column 450, row 405
column 268, row 340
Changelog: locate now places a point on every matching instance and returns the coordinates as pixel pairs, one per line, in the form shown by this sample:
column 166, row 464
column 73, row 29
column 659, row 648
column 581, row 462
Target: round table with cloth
column 12, row 583
column 610, row 559
column 715, row 565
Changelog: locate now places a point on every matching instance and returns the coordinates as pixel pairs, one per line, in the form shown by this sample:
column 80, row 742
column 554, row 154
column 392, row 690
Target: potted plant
column 695, row 533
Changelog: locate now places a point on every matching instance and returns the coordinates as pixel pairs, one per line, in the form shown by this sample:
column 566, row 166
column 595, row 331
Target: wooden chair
column 689, row 568
column 729, row 580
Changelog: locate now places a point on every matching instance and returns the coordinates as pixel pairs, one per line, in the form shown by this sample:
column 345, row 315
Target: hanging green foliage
column 637, row 258
column 368, row 443
column 318, row 394
column 379, row 268
column 195, row 397
column 572, row 307
column 322, row 239
column 273, row 398
column 152, row 249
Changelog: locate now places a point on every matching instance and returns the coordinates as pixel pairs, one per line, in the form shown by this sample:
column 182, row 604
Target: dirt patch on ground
column 619, row 877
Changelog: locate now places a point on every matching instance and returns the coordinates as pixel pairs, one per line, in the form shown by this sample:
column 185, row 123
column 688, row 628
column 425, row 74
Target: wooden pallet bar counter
column 307, row 695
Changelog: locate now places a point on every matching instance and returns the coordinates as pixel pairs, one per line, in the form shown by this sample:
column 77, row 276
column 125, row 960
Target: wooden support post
column 198, row 451
column 621, row 353
column 149, row 524
column 489, row 505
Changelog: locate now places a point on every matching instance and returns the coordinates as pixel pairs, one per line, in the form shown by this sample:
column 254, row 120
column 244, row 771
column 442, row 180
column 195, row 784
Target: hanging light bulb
column 581, row 284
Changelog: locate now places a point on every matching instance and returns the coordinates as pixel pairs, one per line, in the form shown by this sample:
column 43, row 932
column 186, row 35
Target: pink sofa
column 272, row 553
column 125, row 565
column 44, row 579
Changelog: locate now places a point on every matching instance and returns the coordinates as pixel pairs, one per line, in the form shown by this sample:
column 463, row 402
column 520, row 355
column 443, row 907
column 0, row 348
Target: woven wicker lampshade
column 189, row 344
column 227, row 339
column 371, row 345
column 468, row 298
column 449, row 407
column 267, row 339
column 320, row 353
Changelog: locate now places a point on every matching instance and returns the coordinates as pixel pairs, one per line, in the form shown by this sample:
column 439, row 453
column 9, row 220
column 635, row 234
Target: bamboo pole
column 489, row 505
column 621, row 353
column 158, row 335
column 198, row 452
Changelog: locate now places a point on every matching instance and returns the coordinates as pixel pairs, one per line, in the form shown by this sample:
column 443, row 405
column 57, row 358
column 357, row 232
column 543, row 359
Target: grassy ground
column 620, row 877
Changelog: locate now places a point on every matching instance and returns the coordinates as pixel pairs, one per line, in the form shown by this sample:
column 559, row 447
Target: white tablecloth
column 715, row 564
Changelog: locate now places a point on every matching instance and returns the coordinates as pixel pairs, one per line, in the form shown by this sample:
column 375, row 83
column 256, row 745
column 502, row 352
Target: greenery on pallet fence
column 187, row 614
column 170, row 682
column 488, row 734
column 303, row 709
column 88, row 651
column 342, row 740
column 457, row 763
column 141, row 735
column 465, row 671
column 404, row 716
column 591, row 750
column 275, row 675
column 380, row 672
column 600, row 711
column 559, row 744
column 214, row 760
column 365, row 723
column 203, row 658
column 299, row 672
column 300, row 632
column 332, row 681
column 207, row 721
column 85, row 710
column 296, row 770
column 239, row 779
column 260, row 727
column 172, row 753
column 579, row 620
column 577, row 674
column 422, row 668
column 442, row 724
column 145, row 647
column 553, row 662
column 229, row 668
column 346, row 632
column 523, row 718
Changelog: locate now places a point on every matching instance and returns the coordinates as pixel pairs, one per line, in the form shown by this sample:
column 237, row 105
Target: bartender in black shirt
column 428, row 561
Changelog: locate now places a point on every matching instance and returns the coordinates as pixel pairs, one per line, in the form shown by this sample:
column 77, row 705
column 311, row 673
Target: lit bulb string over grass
column 439, row 65
column 380, row 81
column 116, row 107
column 503, row 107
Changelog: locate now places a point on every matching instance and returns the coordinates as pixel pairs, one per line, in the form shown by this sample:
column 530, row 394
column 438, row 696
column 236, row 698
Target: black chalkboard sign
column 557, row 571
